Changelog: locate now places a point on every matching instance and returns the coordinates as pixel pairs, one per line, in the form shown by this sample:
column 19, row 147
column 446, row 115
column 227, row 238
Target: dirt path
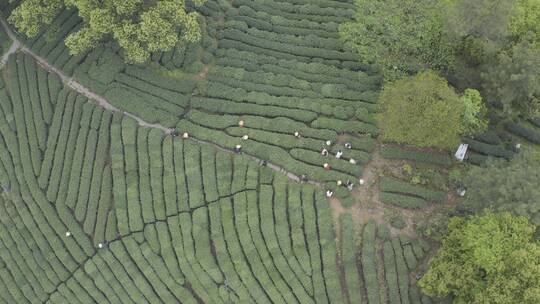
column 102, row 102
column 12, row 49
column 369, row 207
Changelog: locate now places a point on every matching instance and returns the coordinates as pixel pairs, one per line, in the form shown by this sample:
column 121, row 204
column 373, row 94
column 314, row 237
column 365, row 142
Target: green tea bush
column 169, row 177
column 530, row 134
column 402, row 271
column 184, row 86
column 369, row 262
column 398, row 222
column 328, row 249
column 124, row 98
column 341, row 126
column 229, row 107
column 535, row 121
column 102, row 151
column 349, row 249
column 391, row 273
column 489, row 137
column 284, row 47
column 402, row 201
column 425, row 157
column 165, row 94
column 487, row 149
column 359, row 156
column 315, row 158
column 388, row 184
column 208, row 164
column 410, row 258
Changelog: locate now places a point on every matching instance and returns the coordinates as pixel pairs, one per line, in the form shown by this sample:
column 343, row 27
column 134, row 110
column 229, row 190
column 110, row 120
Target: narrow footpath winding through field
column 101, row 101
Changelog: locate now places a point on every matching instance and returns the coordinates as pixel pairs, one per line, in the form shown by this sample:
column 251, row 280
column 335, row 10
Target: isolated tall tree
column 139, row 26
column 424, row 111
column 491, row 258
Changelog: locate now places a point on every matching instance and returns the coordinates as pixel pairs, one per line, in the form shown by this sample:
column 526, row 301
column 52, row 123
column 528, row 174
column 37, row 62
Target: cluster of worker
column 303, row 178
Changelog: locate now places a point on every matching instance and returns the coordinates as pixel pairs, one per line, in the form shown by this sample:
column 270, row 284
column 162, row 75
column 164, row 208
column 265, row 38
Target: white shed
column 461, row 151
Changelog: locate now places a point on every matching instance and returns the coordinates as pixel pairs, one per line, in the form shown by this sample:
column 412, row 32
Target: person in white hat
column 328, row 142
column 348, row 145
column 245, row 137
column 339, row 182
column 68, row 233
column 185, row 135
column 329, row 193
column 297, row 134
column 324, row 152
column 237, row 148
column 352, row 161
column 327, row 167
column 241, row 123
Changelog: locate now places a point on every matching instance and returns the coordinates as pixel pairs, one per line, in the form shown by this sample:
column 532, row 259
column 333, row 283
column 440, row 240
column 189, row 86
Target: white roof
column 461, row 151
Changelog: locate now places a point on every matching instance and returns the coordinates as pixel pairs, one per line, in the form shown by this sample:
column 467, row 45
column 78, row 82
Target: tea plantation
column 120, row 183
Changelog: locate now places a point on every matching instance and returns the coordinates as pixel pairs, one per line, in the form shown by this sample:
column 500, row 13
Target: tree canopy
column 403, row 36
column 493, row 46
column 424, row 111
column 506, row 186
column 140, row 27
column 489, row 258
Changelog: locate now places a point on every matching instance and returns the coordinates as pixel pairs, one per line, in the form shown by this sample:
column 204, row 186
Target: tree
column 498, row 50
column 489, row 258
column 402, row 36
column 489, row 45
column 506, row 186
column 140, row 27
column 474, row 114
column 424, row 111
column 514, row 80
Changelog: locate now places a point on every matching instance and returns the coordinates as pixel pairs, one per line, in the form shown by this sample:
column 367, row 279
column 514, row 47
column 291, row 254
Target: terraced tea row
column 316, row 89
